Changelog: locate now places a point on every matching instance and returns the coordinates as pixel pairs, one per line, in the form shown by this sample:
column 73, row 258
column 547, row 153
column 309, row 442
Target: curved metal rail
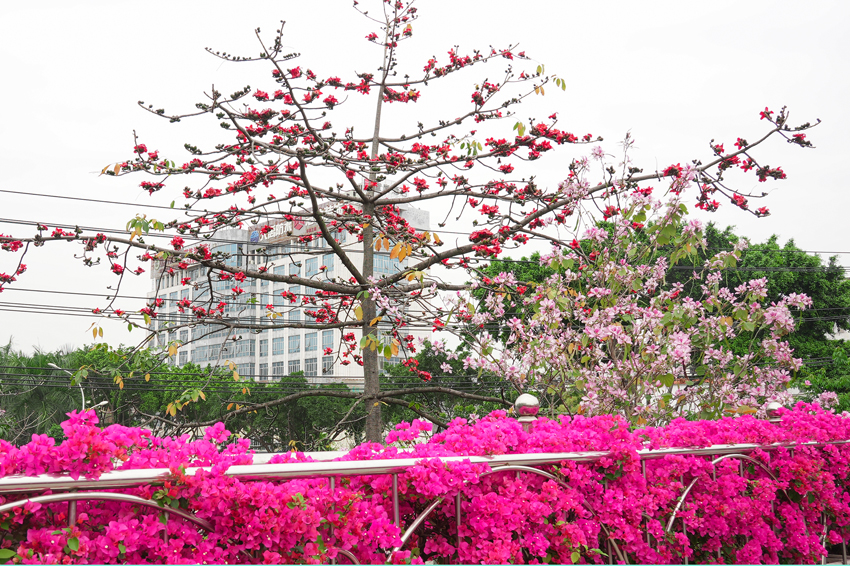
column 509, row 468
column 107, row 496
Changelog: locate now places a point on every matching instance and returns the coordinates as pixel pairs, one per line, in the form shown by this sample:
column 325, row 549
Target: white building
column 272, row 353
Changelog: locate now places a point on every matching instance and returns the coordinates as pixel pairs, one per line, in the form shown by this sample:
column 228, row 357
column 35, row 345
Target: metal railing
column 72, row 490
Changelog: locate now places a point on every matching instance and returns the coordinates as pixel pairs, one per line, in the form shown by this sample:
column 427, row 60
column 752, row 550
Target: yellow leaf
column 375, row 320
column 394, row 347
column 230, row 406
column 377, row 244
column 437, row 240
column 121, row 384
column 147, row 377
column 426, row 236
column 243, row 391
column 536, row 90
column 386, row 243
column 100, row 332
column 172, row 350
column 358, row 312
column 542, row 92
column 571, row 348
column 104, row 170
column 396, row 249
column 235, row 375
column 641, row 421
column 201, row 394
column 403, row 253
column 94, row 332
column 147, row 319
column 411, row 276
column 117, row 168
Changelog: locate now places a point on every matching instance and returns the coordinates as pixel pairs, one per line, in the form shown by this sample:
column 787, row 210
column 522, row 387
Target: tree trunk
column 371, row 382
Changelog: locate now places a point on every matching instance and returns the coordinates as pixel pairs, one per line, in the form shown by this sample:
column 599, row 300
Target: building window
column 184, row 357
column 386, row 266
column 245, row 370
column 277, row 369
column 199, row 354
column 294, row 366
column 264, row 372
column 279, row 346
column 327, row 365
column 312, row 267
column 327, row 340
column 295, row 344
column 295, row 269
column 184, row 335
column 295, row 313
column 310, row 366
column 244, row 348
column 311, row 342
column 264, row 348
column 328, row 262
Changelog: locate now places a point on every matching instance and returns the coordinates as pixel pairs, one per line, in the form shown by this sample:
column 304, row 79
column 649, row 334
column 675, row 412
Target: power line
column 214, row 240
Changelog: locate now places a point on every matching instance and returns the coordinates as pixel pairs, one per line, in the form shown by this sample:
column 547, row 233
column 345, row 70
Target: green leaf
column 122, row 548
column 7, row 553
column 575, row 556
column 74, row 544
column 667, row 380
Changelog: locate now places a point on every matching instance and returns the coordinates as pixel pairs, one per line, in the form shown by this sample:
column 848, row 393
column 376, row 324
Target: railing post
column 772, row 411
column 526, row 406
column 396, row 517
column 332, row 485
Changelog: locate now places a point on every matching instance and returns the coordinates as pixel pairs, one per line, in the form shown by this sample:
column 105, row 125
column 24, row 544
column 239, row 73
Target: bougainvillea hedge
column 506, row 517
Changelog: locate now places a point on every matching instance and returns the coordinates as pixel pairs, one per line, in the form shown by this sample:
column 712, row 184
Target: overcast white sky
column 675, row 74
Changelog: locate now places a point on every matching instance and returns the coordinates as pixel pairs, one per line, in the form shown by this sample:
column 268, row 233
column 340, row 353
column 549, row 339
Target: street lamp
column 82, row 394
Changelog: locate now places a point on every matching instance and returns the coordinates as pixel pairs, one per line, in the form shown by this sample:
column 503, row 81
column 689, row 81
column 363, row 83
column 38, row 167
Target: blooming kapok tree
column 287, row 158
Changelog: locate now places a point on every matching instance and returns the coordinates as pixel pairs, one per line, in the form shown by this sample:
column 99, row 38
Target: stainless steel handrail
column 121, row 478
